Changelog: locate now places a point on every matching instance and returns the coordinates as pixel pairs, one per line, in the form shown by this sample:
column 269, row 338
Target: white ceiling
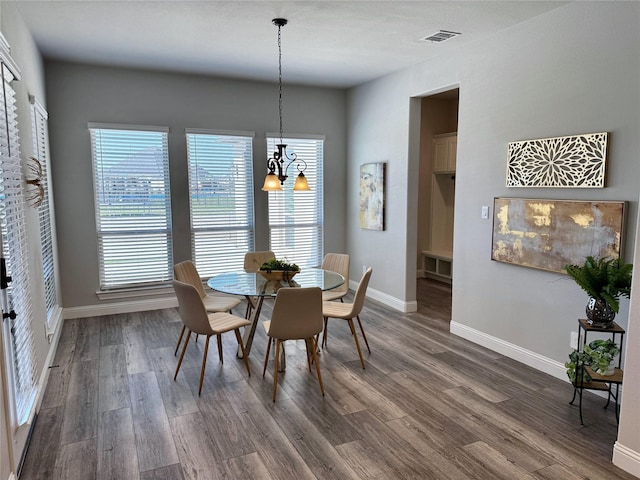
column 327, row 43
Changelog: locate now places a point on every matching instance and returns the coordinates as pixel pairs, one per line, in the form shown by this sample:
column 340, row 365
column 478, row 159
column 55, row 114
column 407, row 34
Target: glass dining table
column 253, row 285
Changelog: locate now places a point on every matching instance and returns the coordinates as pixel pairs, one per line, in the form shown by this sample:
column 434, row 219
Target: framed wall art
column 372, row 180
column 576, row 161
column 548, row 234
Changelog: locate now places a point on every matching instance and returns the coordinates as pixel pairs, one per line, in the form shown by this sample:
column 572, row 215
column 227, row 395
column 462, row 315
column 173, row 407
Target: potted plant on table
column 605, row 280
column 575, row 367
column 599, row 355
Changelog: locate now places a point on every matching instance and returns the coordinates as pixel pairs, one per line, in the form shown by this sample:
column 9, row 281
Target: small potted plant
column 575, row 367
column 598, row 355
column 605, row 280
column 601, row 354
column 278, row 270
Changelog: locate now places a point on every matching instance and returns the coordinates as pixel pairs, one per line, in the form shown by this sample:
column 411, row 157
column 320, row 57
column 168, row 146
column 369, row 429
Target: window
column 41, row 151
column 133, row 205
column 296, row 218
column 18, row 330
column 221, row 199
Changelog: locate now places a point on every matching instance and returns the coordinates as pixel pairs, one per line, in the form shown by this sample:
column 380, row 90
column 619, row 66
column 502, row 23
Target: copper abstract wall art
column 548, row 234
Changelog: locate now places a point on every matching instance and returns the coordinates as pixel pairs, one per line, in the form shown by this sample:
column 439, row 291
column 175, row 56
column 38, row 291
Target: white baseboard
column 44, row 375
column 388, row 300
column 626, row 459
column 120, row 307
column 532, row 359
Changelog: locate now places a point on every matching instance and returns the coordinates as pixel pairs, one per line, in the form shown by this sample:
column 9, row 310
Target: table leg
column 250, row 330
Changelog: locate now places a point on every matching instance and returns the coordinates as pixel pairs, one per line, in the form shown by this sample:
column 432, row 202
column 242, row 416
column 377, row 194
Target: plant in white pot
column 602, row 354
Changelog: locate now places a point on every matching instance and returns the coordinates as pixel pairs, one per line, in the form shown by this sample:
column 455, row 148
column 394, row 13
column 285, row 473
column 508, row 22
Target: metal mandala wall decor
column 573, row 162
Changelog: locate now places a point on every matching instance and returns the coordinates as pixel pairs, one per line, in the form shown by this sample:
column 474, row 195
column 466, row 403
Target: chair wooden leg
column 244, row 353
column 266, row 357
column 315, row 360
column 184, row 327
column 184, row 349
column 275, row 369
column 204, row 364
column 363, row 335
column 220, row 347
column 355, row 337
column 324, row 332
column 307, row 344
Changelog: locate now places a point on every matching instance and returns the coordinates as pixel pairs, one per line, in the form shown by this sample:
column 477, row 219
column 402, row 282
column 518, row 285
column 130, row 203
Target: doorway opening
column 436, row 193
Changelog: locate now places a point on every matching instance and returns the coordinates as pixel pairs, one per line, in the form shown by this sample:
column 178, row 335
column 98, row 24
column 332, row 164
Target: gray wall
column 547, row 77
column 79, row 94
column 573, row 70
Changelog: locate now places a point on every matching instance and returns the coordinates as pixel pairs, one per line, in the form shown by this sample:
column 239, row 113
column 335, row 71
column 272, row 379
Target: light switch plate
column 485, row 212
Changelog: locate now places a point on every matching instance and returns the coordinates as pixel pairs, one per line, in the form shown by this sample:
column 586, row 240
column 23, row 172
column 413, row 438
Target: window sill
column 156, row 290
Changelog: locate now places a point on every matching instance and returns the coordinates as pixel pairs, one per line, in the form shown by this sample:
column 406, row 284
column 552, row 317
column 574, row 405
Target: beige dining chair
column 349, row 311
column 186, row 272
column 297, row 315
column 339, row 263
column 198, row 321
column 253, row 260
column 252, row 263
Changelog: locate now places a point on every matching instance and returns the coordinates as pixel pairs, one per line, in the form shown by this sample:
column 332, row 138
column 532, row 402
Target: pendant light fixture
column 274, row 181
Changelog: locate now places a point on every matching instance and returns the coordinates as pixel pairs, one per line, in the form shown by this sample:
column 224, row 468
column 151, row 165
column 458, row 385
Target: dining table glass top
column 253, row 284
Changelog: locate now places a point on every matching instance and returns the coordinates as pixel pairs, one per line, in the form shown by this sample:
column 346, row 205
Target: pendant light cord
column 280, row 79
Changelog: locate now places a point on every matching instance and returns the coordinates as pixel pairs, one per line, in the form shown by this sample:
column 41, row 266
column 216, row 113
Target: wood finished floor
column 429, row 405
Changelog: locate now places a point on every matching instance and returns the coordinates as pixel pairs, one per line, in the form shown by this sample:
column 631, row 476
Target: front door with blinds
column 17, row 330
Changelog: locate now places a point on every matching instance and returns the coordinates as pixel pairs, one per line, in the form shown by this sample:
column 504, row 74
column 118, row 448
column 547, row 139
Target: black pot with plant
column 605, row 280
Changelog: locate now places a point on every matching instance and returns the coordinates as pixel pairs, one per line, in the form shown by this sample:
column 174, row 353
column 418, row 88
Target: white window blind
column 14, row 251
column 133, row 205
column 40, row 130
column 296, row 218
column 221, row 199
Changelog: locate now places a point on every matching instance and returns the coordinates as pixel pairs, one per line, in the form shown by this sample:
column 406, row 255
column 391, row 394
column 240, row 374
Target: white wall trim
column 388, row 300
column 627, row 459
column 120, row 307
column 53, row 338
column 53, row 326
column 532, row 359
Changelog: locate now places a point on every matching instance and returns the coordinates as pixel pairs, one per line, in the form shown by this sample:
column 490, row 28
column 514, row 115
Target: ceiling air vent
column 440, row 36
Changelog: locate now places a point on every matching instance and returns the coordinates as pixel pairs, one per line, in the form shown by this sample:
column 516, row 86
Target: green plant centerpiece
column 597, row 355
column 276, row 269
column 605, row 280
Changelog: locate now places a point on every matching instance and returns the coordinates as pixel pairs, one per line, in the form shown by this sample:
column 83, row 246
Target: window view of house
column 133, row 206
column 220, row 200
